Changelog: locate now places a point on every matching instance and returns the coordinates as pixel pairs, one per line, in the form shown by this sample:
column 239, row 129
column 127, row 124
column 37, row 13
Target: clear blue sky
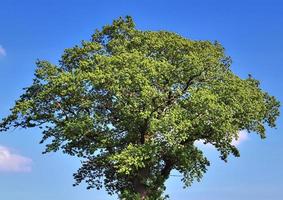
column 250, row 30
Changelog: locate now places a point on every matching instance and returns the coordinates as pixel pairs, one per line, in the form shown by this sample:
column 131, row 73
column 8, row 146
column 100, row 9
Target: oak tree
column 131, row 104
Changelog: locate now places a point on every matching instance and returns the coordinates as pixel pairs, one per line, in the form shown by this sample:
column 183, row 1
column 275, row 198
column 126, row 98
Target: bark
column 145, row 192
column 140, row 188
column 138, row 183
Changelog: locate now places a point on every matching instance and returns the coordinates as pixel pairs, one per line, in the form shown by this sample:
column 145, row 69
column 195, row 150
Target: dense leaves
column 132, row 103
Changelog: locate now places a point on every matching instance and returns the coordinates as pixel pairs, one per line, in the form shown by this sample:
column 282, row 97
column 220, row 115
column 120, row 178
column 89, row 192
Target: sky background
column 250, row 30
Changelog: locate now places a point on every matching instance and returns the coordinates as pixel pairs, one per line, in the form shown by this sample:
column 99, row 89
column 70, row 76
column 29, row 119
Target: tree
column 132, row 103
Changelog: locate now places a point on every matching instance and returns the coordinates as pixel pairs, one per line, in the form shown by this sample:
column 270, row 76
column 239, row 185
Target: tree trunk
column 140, row 188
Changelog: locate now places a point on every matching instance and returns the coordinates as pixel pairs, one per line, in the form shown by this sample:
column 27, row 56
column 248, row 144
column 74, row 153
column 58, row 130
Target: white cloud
column 243, row 136
column 201, row 145
column 12, row 162
column 2, row 51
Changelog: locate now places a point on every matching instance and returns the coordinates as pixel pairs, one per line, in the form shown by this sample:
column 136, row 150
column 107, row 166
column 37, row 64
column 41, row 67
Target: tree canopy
column 131, row 104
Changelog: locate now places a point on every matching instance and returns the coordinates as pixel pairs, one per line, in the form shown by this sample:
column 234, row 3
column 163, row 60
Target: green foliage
column 132, row 103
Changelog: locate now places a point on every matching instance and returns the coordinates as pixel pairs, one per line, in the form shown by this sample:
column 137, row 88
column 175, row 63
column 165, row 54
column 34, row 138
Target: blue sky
column 250, row 30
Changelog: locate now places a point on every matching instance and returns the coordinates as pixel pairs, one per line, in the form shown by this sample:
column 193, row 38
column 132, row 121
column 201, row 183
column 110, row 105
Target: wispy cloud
column 12, row 162
column 242, row 136
column 201, row 144
column 2, row 51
